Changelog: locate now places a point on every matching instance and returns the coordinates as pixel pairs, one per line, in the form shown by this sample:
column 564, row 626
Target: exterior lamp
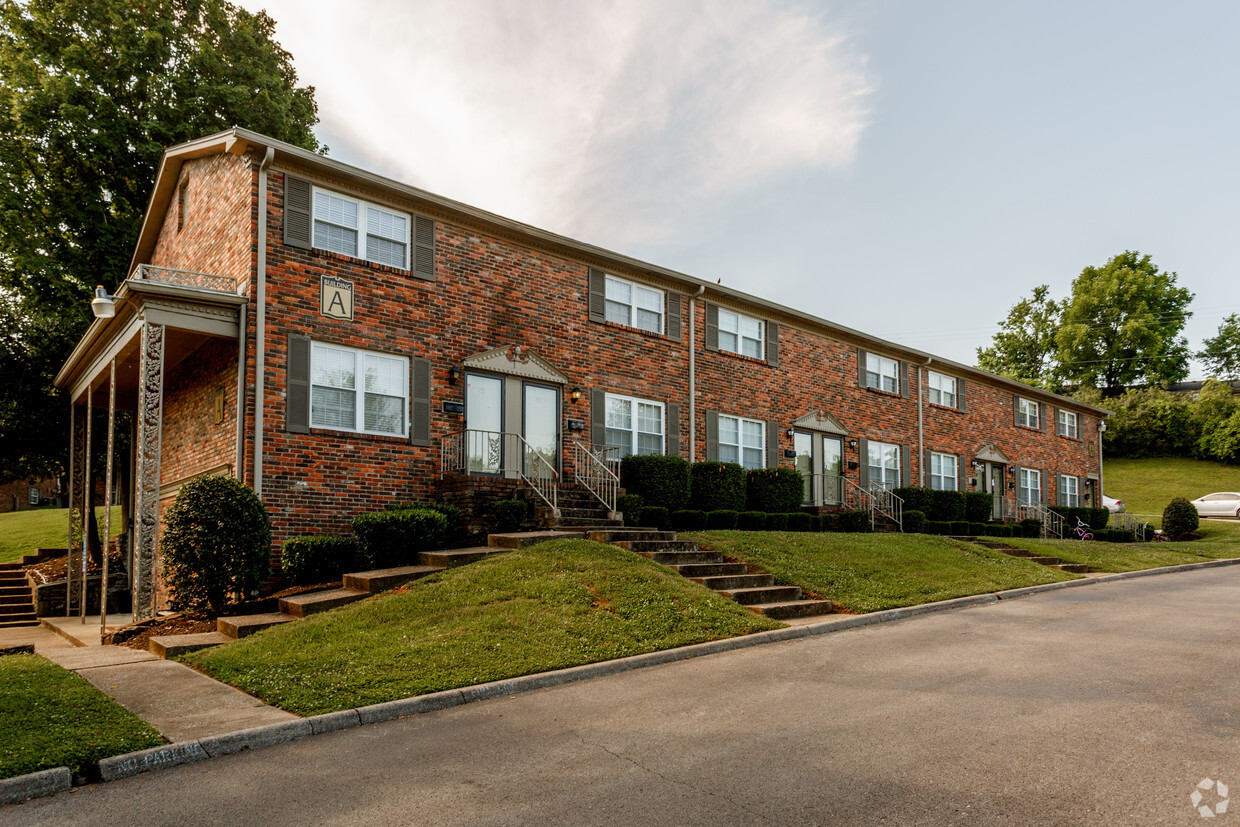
column 103, row 305
column 789, row 433
column 454, row 375
column 852, row 443
column 575, row 394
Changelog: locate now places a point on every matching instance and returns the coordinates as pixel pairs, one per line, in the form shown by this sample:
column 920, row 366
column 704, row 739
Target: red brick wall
column 215, row 235
column 193, row 442
column 15, row 496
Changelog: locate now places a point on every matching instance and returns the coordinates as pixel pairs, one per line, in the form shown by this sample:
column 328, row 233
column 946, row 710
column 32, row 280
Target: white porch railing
column 885, row 502
column 823, row 489
column 1128, row 522
column 1052, row 523
column 186, row 278
column 500, row 453
column 598, row 470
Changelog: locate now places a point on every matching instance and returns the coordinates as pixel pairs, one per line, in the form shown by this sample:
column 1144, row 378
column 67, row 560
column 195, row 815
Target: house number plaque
column 336, row 298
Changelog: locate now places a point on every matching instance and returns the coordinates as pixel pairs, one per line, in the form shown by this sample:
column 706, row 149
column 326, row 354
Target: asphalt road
column 1101, row 705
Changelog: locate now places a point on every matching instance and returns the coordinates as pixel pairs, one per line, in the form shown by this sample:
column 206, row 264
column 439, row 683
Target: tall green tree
column 1024, row 348
column 1221, row 353
column 1123, row 326
column 91, row 91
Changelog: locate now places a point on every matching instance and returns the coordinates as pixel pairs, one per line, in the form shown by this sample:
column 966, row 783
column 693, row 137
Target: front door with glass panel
column 991, row 478
column 484, row 423
column 540, row 426
column 820, row 461
column 832, row 470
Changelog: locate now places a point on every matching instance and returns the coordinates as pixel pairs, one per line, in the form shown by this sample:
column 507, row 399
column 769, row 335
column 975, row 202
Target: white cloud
column 605, row 120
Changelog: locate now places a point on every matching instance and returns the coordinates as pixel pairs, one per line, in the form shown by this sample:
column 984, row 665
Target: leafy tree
column 1024, row 348
column 1122, row 326
column 91, row 91
column 1221, row 353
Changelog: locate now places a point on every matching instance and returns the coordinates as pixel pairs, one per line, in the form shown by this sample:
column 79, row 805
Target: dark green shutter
column 598, row 296
column 905, row 470
column 772, row 444
column 598, row 418
column 1044, row 422
column 925, row 470
column 962, row 479
column 673, row 316
column 297, row 195
column 903, row 374
column 672, row 440
column 1015, row 409
column 863, row 462
column 420, row 419
column 861, row 381
column 297, row 414
column 423, row 248
column 712, row 327
column 772, row 344
column 1046, row 477
column 712, row 436
column 961, row 400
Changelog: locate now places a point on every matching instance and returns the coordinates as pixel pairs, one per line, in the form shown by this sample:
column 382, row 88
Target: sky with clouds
column 908, row 169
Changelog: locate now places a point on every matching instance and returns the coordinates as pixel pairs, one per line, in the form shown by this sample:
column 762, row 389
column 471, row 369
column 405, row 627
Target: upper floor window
column 884, row 464
column 882, row 373
column 1066, row 424
column 356, row 390
column 634, row 426
column 943, row 475
column 741, row 334
column 1030, row 486
column 634, row 305
column 1069, row 491
column 742, row 441
column 1027, row 414
column 359, row 229
column 942, row 390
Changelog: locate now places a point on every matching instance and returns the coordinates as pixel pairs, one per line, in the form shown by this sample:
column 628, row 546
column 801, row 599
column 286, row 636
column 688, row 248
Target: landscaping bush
column 655, row 516
column 1147, row 533
column 798, row 521
column 688, row 520
column 940, row 527
column 509, row 515
column 1180, row 517
column 916, row 499
column 977, row 529
column 978, row 506
column 776, row 522
column 1031, row 527
column 946, row 506
column 316, row 559
column 658, row 479
column 1095, row 518
column 960, row 528
column 830, row 522
column 452, row 513
column 854, row 521
column 751, row 521
column 216, row 543
column 395, row 538
column 717, row 486
column 815, row 522
column 630, row 505
column 999, row 530
column 774, row 490
column 724, row 520
column 915, row 522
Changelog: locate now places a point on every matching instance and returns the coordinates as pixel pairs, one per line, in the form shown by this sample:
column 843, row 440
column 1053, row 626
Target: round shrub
column 774, row 490
column 216, row 543
column 688, row 520
column 751, row 521
column 654, row 516
column 776, row 522
column 316, row 559
column 946, row 506
column 395, row 538
column 798, row 521
column 1180, row 517
column 717, row 486
column 915, row 522
column 978, row 506
column 630, row 505
column 660, row 480
column 854, row 521
column 509, row 515
column 723, row 520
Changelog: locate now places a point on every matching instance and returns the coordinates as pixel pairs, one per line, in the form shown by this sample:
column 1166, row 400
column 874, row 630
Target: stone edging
column 47, row 782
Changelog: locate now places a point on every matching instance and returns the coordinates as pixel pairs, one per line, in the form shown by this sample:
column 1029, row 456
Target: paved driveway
column 1103, row 705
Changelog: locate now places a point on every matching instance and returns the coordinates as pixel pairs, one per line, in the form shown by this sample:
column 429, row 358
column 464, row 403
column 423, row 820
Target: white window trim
column 740, row 437
column 1061, row 427
column 1027, row 420
column 632, row 304
column 633, row 419
column 362, row 234
column 1030, row 474
column 898, row 469
column 359, row 390
column 882, row 362
column 740, row 337
column 1071, row 499
column 954, row 477
column 943, row 378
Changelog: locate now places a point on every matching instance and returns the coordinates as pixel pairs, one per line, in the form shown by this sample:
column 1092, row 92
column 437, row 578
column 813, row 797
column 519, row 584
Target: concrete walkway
column 183, row 704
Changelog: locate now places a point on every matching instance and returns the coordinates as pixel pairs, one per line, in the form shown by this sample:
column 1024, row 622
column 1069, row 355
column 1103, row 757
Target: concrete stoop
column 1049, row 562
column 16, row 599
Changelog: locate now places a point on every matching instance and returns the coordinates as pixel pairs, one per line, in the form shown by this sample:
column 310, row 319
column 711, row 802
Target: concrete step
column 617, row 535
column 643, row 546
column 735, row 581
column 675, row 558
column 994, row 545
column 451, row 558
column 167, row 646
column 301, row 605
column 588, row 522
column 763, row 594
column 692, row 570
column 6, row 623
column 11, row 599
column 1045, row 561
column 584, row 511
column 382, row 580
column 521, row 539
column 10, row 566
column 793, row 608
column 1016, row 552
column 1073, row 568
column 246, row 625
column 24, row 617
column 15, row 590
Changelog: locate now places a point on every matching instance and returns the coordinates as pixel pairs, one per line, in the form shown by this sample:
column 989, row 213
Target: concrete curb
column 187, row 752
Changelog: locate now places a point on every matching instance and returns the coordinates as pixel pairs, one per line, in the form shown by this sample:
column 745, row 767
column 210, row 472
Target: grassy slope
column 1221, row 540
column 21, row 532
column 869, row 572
column 1147, row 485
column 558, row 604
column 50, row 717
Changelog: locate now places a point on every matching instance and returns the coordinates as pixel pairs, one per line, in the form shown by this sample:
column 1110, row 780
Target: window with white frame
column 634, row 305
column 1066, row 424
column 884, row 464
column 1027, row 414
column 882, row 373
column 741, row 334
column 357, row 228
column 356, row 390
column 742, row 441
column 1030, row 486
column 943, row 475
column 942, row 390
column 634, row 426
column 1069, row 488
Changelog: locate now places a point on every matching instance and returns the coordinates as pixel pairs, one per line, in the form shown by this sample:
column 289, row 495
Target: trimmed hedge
column 1095, row 518
column 1113, row 535
column 316, row 558
column 915, row 522
column 1180, row 517
column 451, row 512
column 509, row 515
column 798, row 521
column 751, row 521
column 776, row 522
column 916, row 499
column 688, row 520
column 978, row 506
column 723, row 519
column 630, row 505
column 854, row 521
column 394, row 538
column 1031, row 527
column 830, row 522
column 939, row 527
column 815, row 522
column 946, row 506
column 717, row 486
column 655, row 516
column 774, row 490
column 658, row 479
column 960, row 528
column 977, row 529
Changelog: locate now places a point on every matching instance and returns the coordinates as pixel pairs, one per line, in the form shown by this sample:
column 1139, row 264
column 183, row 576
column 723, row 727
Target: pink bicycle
column 1082, row 530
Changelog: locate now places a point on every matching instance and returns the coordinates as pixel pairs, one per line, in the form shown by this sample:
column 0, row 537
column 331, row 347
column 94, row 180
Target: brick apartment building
column 340, row 341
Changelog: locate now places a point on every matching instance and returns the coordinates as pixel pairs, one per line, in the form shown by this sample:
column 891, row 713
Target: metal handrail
column 1052, row 523
column 593, row 469
column 186, row 278
column 855, row 498
column 885, row 501
column 474, row 451
column 824, row 489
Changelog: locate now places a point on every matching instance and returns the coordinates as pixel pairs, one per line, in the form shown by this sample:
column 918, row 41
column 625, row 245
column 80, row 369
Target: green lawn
column 50, row 717
column 21, row 532
column 1147, row 485
column 870, row 572
column 1221, row 540
column 557, row 604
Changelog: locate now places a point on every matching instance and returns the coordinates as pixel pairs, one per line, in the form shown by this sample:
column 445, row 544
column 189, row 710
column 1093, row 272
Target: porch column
column 77, row 444
column 107, row 499
column 88, row 501
column 150, row 432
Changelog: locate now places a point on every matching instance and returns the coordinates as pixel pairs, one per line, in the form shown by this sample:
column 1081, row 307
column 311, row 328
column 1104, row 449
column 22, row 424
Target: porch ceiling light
column 103, row 305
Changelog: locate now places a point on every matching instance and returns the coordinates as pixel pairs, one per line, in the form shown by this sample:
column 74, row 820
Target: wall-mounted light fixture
column 454, row 375
column 789, row 433
column 852, row 443
column 575, row 394
column 104, row 305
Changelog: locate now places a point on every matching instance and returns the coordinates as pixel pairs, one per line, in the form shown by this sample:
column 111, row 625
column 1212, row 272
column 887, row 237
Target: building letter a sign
column 336, row 298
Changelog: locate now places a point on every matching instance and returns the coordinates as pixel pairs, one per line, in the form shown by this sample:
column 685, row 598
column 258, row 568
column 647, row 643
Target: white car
column 1113, row 505
column 1219, row 504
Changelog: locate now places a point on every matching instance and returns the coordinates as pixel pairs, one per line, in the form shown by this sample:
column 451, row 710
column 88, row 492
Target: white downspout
column 921, row 434
column 1102, row 428
column 260, row 323
column 692, row 375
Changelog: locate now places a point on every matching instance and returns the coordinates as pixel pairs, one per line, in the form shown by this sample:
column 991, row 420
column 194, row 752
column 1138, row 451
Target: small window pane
column 328, row 207
column 332, row 408
column 382, row 251
column 387, row 225
column 336, row 239
column 385, row 414
column 619, row 291
column 729, row 430
column 729, row 453
column 333, row 367
column 650, row 419
column 752, row 347
column 730, row 322
column 617, row 313
column 384, row 375
column 649, row 444
column 619, row 414
column 728, row 342
column 647, row 320
column 649, row 299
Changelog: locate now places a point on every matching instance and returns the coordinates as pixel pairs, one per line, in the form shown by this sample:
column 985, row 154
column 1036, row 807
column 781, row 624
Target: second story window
column 634, row 305
column 741, row 334
column 742, row 441
column 882, row 373
column 357, row 390
column 1066, row 424
column 1027, row 414
column 1030, row 486
column 941, row 390
column 356, row 228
